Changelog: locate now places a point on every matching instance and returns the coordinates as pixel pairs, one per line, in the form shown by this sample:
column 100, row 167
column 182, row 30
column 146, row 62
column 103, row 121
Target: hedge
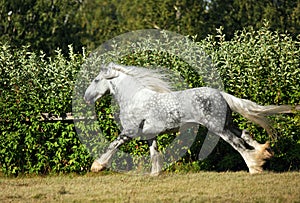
column 32, row 84
column 262, row 66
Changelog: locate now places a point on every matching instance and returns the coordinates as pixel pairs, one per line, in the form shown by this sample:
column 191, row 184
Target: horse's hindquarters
column 205, row 106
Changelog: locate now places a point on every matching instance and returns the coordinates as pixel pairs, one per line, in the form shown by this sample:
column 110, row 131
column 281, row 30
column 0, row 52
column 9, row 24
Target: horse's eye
column 96, row 80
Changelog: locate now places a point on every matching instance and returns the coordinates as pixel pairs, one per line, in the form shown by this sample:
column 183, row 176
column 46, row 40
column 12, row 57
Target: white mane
column 149, row 78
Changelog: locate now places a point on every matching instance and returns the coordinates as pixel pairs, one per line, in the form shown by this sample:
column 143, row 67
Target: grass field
column 190, row 187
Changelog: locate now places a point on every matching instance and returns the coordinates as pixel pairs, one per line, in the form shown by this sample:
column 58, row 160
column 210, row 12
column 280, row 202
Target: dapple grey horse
column 148, row 107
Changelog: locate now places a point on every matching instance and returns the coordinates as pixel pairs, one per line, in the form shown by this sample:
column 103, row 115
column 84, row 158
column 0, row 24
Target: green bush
column 32, row 84
column 262, row 66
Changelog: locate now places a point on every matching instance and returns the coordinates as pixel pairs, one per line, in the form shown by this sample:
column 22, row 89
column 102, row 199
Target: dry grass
column 192, row 187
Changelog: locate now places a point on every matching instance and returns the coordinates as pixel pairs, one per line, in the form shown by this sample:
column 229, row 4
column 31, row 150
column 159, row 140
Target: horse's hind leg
column 261, row 152
column 253, row 153
column 105, row 159
column 156, row 159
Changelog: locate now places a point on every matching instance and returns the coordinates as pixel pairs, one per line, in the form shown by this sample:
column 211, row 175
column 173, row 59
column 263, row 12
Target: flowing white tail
column 257, row 113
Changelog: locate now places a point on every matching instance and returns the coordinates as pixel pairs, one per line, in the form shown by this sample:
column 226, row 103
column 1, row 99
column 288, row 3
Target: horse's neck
column 126, row 89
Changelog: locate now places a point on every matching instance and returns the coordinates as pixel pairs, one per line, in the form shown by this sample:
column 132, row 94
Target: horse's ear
column 110, row 74
column 111, row 65
column 117, row 67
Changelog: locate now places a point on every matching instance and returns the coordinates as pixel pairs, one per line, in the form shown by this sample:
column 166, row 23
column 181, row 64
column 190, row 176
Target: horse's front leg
column 104, row 161
column 156, row 158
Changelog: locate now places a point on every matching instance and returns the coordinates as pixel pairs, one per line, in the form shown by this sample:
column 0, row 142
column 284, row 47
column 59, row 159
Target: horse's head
column 100, row 85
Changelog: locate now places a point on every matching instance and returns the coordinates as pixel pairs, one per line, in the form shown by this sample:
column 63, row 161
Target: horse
column 149, row 107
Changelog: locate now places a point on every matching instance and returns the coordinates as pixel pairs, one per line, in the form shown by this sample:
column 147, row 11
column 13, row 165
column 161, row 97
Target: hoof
column 256, row 158
column 96, row 167
column 255, row 169
column 254, row 162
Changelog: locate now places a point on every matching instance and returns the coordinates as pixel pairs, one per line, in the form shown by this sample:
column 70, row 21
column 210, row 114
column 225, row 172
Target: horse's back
column 203, row 105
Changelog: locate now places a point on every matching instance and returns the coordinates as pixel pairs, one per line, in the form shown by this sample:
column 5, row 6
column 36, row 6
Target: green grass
column 191, row 187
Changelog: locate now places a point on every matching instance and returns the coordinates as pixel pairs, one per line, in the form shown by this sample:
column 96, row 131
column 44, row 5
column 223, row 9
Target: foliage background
column 46, row 25
column 257, row 60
